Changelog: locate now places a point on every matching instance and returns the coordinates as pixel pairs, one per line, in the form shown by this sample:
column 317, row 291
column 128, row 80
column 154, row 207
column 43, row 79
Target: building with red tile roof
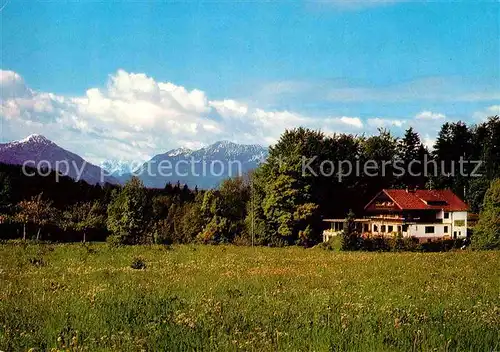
column 424, row 214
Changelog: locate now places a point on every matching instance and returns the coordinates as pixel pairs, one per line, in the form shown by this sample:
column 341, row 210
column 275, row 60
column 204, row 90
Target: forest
column 276, row 204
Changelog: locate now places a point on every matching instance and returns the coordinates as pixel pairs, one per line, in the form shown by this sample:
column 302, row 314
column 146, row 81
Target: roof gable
column 382, row 201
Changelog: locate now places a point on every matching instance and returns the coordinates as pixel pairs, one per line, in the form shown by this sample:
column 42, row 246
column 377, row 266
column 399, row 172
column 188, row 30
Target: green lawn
column 229, row 298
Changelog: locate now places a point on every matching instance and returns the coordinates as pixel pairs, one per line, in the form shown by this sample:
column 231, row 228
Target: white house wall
column 418, row 230
column 458, row 216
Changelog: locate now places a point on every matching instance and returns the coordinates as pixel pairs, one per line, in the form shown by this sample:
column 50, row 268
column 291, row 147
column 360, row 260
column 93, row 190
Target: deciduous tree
column 83, row 217
column 36, row 211
column 487, row 231
column 127, row 213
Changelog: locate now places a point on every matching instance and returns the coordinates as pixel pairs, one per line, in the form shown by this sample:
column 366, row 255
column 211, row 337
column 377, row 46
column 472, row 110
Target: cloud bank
column 133, row 117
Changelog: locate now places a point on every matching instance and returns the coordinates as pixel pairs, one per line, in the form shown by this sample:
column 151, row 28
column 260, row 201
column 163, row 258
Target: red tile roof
column 425, row 199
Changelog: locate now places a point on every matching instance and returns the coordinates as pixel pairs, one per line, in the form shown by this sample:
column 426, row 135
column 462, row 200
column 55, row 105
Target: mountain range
column 205, row 167
column 39, row 152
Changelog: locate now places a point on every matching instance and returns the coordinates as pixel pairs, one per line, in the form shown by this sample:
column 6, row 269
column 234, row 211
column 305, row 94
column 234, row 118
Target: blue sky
column 259, row 67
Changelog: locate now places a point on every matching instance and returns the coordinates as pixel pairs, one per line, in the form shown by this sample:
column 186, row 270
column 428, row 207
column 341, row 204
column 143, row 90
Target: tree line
column 276, row 204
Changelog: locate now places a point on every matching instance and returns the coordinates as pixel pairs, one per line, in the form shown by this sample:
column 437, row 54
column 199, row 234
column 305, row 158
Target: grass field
column 229, row 298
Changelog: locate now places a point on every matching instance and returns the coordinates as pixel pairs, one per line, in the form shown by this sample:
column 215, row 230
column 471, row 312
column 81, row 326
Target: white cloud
column 353, row 121
column 494, row 110
column 8, row 77
column 436, row 89
column 483, row 115
column 229, row 108
column 12, row 85
column 379, row 122
column 429, row 115
column 133, row 117
column 427, row 90
column 428, row 142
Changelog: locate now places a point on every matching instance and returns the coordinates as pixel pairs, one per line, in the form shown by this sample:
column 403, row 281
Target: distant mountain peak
column 224, row 143
column 179, row 151
column 37, row 149
column 229, row 150
column 118, row 167
column 35, row 138
column 205, row 167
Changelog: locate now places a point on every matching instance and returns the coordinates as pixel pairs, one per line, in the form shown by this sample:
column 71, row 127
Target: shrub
column 375, row 243
column 277, row 242
column 36, row 261
column 242, row 240
column 351, row 240
column 441, row 245
column 410, row 243
column 333, row 244
column 138, row 264
column 162, row 232
column 487, row 231
column 396, row 243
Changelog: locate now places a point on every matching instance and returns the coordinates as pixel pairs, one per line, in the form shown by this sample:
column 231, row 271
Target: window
column 446, row 215
column 366, row 229
column 382, row 228
column 390, row 228
column 405, row 228
column 399, row 228
column 459, row 222
column 446, row 229
column 429, row 229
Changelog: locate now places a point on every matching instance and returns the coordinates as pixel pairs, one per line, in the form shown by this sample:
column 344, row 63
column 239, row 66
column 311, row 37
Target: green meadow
column 227, row 298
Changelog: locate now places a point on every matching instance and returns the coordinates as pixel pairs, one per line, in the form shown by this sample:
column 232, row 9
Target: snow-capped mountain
column 119, row 167
column 39, row 152
column 179, row 151
column 205, row 167
column 225, row 150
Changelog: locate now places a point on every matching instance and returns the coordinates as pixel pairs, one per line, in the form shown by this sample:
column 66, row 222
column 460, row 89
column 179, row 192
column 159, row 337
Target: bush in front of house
column 408, row 244
column 441, row 245
column 334, row 243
